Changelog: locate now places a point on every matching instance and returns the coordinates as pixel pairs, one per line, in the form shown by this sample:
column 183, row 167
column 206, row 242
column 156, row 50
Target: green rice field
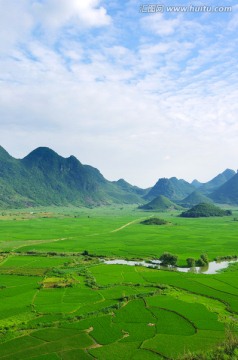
column 59, row 301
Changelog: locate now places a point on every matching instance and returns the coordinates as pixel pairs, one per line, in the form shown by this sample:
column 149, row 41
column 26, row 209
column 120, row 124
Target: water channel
column 212, row 268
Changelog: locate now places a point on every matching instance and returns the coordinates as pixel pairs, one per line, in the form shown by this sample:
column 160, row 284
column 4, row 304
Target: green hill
column 227, row 193
column 154, row 221
column 45, row 178
column 173, row 188
column 195, row 198
column 160, row 203
column 205, row 210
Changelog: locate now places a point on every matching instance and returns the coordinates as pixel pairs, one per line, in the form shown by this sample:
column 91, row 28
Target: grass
column 27, row 347
column 134, row 312
column 137, row 332
column 196, row 314
column 75, row 355
column 188, row 237
column 104, row 331
column 228, row 349
column 116, row 351
column 172, row 346
column 16, row 345
column 60, row 304
column 52, row 356
column 15, row 298
column 54, row 334
column 170, row 322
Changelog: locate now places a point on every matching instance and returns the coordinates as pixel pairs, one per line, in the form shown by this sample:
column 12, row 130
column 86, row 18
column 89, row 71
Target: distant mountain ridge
column 217, row 181
column 45, row 178
column 228, row 192
column 173, row 188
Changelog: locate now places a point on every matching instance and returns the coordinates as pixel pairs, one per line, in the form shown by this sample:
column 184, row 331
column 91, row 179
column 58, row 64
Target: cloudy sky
column 139, row 95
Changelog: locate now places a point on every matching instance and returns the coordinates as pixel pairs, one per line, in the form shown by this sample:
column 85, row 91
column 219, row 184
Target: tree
column 203, row 260
column 85, row 253
column 168, row 259
column 191, row 262
column 200, row 262
column 204, row 257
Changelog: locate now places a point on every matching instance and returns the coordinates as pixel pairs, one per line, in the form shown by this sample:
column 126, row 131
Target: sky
column 138, row 92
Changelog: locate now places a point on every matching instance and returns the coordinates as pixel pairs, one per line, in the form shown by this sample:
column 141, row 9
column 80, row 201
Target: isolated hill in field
column 160, row 203
column 154, row 221
column 227, row 193
column 195, row 198
column 217, row 181
column 124, row 185
column 45, row 178
column 205, row 210
column 173, row 188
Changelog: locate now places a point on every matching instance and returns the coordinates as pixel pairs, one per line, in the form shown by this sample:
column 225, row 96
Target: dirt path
column 37, row 242
column 128, row 224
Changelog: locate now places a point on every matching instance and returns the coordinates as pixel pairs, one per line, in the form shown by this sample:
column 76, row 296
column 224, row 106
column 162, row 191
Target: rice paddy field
column 59, row 301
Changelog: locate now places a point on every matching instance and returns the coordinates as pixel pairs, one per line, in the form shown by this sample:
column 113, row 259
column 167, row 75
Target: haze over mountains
column 45, row 178
column 222, row 189
column 216, row 182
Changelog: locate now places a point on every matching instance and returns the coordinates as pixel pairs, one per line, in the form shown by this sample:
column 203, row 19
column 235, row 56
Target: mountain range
column 173, row 188
column 227, row 193
column 44, row 178
column 222, row 189
column 216, row 182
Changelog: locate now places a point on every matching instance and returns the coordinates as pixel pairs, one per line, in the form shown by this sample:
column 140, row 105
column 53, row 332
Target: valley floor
column 58, row 301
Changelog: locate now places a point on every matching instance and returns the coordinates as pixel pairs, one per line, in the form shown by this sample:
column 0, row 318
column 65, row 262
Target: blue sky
column 137, row 95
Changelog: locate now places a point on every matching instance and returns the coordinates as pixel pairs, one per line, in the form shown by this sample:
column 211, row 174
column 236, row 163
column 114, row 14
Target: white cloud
column 20, row 19
column 15, row 22
column 158, row 25
column 57, row 13
column 233, row 24
column 162, row 102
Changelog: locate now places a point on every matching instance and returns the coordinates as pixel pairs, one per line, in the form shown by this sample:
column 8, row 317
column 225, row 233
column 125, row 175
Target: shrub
column 154, row 221
column 168, row 259
column 191, row 262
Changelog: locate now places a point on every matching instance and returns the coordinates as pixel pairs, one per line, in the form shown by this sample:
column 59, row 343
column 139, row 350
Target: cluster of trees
column 154, row 221
column 202, row 261
column 228, row 257
column 90, row 280
column 49, row 253
column 168, row 259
